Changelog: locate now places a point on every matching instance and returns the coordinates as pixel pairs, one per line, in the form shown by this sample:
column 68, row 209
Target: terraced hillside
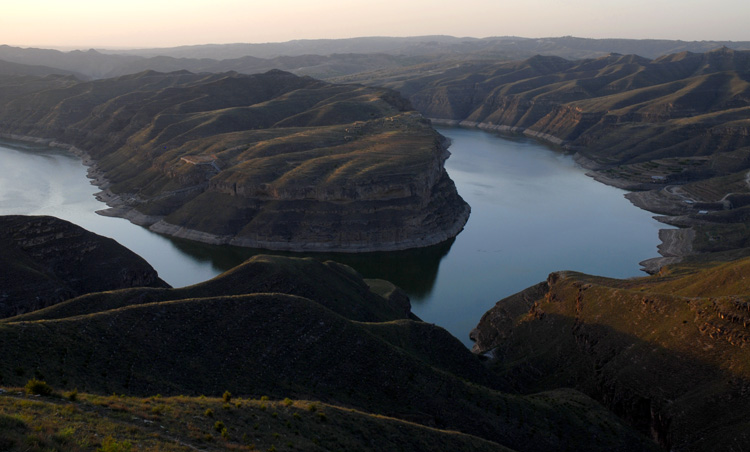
column 268, row 161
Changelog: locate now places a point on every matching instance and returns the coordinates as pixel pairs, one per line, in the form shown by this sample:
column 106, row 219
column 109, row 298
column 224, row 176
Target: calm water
column 533, row 212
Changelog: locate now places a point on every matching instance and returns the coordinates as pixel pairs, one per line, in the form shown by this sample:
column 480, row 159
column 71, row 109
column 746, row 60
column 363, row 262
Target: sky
column 165, row 23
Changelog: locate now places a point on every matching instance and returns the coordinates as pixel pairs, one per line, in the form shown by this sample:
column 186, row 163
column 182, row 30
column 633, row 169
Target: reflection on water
column 533, row 212
column 414, row 270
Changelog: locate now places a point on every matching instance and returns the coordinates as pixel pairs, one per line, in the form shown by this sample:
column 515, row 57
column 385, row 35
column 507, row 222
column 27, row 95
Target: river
column 534, row 211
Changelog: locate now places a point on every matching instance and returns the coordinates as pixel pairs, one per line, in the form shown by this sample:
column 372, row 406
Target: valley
column 275, row 160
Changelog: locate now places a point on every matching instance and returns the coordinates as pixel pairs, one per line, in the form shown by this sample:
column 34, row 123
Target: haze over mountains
column 326, row 58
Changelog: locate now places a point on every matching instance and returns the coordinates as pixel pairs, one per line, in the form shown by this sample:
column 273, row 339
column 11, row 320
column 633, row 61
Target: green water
column 534, row 211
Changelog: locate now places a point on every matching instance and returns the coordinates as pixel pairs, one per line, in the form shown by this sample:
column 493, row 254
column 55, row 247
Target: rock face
column 46, row 260
column 270, row 161
column 667, row 352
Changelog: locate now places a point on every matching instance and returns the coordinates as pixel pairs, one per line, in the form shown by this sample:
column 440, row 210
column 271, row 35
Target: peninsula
column 270, row 161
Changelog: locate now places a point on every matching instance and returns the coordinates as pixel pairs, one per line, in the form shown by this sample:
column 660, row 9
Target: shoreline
column 677, row 246
column 676, row 243
column 119, row 207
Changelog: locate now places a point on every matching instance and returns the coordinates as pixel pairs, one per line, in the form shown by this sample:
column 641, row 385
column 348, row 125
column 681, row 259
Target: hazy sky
column 164, row 23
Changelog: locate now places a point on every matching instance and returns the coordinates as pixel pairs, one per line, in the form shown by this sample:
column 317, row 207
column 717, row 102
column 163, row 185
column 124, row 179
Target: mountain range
column 326, row 58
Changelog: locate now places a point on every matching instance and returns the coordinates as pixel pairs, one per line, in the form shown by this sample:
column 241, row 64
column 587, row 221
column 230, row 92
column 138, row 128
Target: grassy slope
column 622, row 108
column 186, row 423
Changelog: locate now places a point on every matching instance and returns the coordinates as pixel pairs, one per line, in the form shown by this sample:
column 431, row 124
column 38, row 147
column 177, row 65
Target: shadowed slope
column 287, row 346
column 666, row 352
column 333, row 285
column 45, row 260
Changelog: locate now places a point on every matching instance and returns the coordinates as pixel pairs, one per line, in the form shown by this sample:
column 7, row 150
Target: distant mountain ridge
column 328, row 58
column 508, row 46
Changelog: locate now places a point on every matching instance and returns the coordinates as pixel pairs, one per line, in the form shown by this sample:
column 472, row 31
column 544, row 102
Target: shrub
column 38, row 387
column 219, row 426
column 287, row 402
column 227, row 396
column 73, row 395
column 209, row 412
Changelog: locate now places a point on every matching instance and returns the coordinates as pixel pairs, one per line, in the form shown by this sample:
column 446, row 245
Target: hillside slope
column 181, row 423
column 171, row 342
column 667, row 352
column 45, row 260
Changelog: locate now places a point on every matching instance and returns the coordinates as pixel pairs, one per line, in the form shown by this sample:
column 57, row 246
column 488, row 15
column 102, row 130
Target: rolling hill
column 278, row 328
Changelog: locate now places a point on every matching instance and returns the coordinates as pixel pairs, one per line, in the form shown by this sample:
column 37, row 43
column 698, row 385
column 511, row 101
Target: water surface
column 534, row 211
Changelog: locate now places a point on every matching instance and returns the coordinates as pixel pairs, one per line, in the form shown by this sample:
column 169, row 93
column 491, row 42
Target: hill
column 667, row 352
column 8, row 68
column 333, row 285
column 223, row 335
column 267, row 161
column 45, row 260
